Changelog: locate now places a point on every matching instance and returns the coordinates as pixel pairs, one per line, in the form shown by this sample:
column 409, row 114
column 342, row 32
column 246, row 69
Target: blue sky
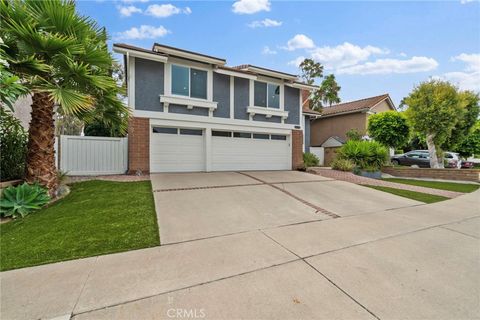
column 372, row 47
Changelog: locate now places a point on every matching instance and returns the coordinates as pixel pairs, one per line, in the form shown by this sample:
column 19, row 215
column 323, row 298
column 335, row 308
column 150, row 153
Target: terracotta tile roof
column 129, row 47
column 159, row 45
column 246, row 66
column 354, row 106
column 307, row 110
column 235, row 69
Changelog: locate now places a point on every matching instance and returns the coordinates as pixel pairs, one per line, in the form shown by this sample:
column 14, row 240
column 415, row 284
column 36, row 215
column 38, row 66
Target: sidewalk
column 350, row 177
column 336, row 268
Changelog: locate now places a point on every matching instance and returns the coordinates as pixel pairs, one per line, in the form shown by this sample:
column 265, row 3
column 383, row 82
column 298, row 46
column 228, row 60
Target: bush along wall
column 13, row 143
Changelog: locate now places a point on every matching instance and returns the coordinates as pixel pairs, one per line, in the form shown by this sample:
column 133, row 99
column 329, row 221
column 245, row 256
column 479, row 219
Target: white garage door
column 177, row 150
column 250, row 151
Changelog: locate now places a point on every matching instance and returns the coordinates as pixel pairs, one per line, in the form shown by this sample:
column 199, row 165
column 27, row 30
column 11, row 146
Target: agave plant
column 21, row 200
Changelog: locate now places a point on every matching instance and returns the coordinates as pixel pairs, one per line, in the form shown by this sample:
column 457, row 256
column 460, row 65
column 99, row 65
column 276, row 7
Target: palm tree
column 63, row 59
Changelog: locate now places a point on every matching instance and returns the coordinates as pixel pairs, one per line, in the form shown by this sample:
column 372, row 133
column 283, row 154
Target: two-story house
column 190, row 112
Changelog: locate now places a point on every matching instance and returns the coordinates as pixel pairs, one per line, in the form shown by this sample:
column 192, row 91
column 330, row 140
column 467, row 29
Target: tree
column 462, row 129
column 471, row 144
column 389, row 128
column 434, row 108
column 327, row 93
column 63, row 59
column 329, row 90
column 311, row 70
column 10, row 86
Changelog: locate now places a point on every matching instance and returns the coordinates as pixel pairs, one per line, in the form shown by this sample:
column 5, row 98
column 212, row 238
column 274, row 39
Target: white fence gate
column 93, row 155
column 319, row 152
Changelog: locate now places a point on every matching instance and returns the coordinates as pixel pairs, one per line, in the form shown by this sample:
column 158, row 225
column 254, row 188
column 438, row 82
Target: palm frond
column 71, row 101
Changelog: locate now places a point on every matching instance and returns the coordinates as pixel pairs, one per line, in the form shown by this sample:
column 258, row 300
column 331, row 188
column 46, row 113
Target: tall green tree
column 329, row 90
column 389, row 128
column 63, row 59
column 327, row 93
column 434, row 109
column 471, row 111
column 471, row 144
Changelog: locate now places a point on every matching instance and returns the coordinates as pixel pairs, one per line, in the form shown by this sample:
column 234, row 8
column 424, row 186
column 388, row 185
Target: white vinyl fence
column 92, row 155
column 319, row 152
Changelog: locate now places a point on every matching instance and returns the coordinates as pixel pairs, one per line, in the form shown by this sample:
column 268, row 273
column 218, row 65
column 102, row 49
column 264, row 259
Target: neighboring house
column 329, row 131
column 190, row 112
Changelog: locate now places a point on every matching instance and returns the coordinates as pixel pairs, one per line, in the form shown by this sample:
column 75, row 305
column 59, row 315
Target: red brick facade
column 138, row 145
column 297, row 149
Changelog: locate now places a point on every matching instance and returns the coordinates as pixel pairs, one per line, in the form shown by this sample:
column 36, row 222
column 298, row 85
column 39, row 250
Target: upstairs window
column 189, row 82
column 266, row 95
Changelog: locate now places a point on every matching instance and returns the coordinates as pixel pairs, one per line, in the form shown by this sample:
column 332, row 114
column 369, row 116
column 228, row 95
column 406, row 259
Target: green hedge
column 13, row 142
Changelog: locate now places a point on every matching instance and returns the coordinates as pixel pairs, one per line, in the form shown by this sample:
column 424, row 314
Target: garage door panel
column 177, row 153
column 249, row 154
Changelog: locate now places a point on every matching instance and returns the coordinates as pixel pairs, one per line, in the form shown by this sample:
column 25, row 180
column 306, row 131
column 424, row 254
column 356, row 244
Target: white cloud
column 165, row 10
column 471, row 60
column 344, row 55
column 296, row 62
column 469, row 78
column 144, row 32
column 402, row 54
column 464, row 80
column 250, row 6
column 465, row 1
column 265, row 23
column 128, row 11
column 267, row 50
column 299, row 41
column 385, row 66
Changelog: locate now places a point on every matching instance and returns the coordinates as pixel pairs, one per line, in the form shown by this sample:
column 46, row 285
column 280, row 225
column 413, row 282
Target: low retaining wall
column 445, row 174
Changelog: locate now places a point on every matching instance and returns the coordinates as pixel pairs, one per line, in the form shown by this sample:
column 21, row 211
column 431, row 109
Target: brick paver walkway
column 350, row 177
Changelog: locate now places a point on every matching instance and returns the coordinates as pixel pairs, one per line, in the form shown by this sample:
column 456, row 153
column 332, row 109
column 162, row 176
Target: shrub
column 354, row 134
column 365, row 154
column 22, row 200
column 342, row 164
column 310, row 160
column 13, row 142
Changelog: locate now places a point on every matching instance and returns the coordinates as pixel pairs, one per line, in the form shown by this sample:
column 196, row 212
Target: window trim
column 268, row 112
column 187, row 64
column 280, row 94
column 189, row 81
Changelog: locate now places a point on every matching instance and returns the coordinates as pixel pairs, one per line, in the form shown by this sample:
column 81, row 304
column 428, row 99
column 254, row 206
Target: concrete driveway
column 411, row 262
column 192, row 206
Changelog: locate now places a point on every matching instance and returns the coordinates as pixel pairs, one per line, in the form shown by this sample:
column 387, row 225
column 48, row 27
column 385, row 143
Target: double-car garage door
column 185, row 150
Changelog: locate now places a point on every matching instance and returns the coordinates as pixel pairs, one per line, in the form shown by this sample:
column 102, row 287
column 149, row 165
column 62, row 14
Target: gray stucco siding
column 292, row 105
column 149, row 84
column 241, row 98
column 262, row 117
column 307, row 134
column 221, row 94
column 177, row 108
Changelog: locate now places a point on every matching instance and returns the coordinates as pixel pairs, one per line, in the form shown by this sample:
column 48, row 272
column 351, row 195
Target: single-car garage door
column 250, row 151
column 177, row 150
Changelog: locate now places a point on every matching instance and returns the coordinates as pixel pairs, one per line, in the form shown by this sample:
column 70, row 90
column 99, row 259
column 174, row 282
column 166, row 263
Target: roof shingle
column 353, row 106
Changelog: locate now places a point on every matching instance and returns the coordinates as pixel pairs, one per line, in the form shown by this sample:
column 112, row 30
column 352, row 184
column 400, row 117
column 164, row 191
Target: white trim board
column 187, row 121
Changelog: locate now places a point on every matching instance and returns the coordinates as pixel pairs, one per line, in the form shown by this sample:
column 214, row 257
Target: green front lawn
column 423, row 197
column 97, row 217
column 450, row 186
